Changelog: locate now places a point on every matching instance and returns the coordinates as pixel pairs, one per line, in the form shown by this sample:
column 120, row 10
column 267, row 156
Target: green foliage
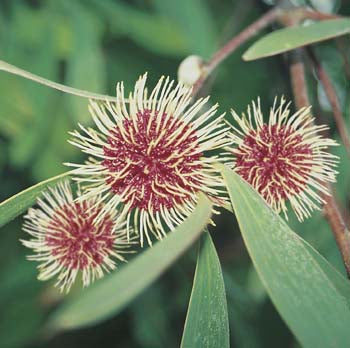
column 312, row 297
column 77, row 92
column 18, row 203
column 93, row 44
column 287, row 39
column 207, row 319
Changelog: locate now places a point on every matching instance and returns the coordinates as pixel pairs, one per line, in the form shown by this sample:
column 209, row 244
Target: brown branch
column 276, row 14
column 331, row 209
column 318, row 16
column 234, row 43
column 332, row 98
column 297, row 74
column 339, row 228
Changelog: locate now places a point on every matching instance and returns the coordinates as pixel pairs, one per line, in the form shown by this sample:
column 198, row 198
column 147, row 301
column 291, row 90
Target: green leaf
column 70, row 90
column 308, row 292
column 207, row 319
column 17, row 204
column 110, row 295
column 287, row 39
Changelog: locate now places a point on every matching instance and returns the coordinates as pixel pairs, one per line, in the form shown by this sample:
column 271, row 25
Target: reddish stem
column 234, row 43
column 339, row 228
column 332, row 98
column 276, row 14
column 331, row 209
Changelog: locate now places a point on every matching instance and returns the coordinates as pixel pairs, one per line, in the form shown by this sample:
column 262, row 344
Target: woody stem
column 276, row 14
column 331, row 209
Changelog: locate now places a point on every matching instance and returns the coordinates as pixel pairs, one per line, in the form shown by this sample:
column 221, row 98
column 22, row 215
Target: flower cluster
column 284, row 159
column 66, row 238
column 149, row 157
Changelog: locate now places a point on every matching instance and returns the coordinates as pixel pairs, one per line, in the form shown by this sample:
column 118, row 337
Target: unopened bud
column 190, row 70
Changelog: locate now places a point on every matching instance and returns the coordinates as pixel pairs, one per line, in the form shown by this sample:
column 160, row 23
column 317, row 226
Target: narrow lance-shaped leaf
column 70, row 90
column 17, row 204
column 287, row 39
column 308, row 292
column 207, row 319
column 110, row 295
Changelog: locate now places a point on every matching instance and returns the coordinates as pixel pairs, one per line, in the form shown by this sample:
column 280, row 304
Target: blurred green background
column 91, row 45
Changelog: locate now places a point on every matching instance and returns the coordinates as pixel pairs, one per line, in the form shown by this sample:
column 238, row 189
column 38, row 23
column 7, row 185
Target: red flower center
column 154, row 158
column 75, row 240
column 275, row 161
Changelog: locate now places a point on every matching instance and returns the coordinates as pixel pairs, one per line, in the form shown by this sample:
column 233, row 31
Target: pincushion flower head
column 148, row 155
column 67, row 240
column 284, row 159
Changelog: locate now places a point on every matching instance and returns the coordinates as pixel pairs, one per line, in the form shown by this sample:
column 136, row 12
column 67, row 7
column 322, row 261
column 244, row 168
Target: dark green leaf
column 17, row 204
column 207, row 319
column 308, row 292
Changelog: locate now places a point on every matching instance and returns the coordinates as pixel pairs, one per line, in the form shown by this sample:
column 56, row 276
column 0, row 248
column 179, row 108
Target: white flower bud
column 190, row 70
